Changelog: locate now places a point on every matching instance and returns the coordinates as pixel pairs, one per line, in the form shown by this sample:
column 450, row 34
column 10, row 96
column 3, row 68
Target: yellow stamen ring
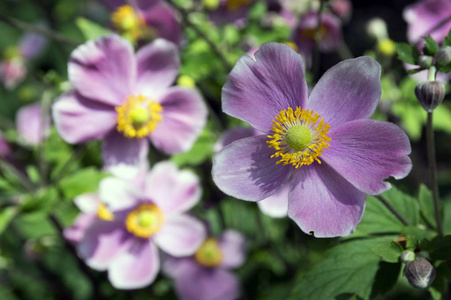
column 299, row 138
column 209, row 254
column 144, row 221
column 103, row 213
column 138, row 117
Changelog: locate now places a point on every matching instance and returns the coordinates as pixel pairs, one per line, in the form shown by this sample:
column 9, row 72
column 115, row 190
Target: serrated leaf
column 439, row 248
column 447, row 40
column 83, row 181
column 6, row 216
column 349, row 267
column 431, row 46
column 91, row 30
column 378, row 219
column 407, row 53
column 388, row 251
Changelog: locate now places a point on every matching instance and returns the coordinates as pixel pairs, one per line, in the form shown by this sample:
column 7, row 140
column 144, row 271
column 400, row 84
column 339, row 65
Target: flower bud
column 443, row 56
column 425, row 61
column 407, row 256
column 420, row 273
column 430, row 94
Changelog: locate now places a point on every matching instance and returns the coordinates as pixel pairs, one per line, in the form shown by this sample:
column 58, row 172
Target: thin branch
column 24, row 180
column 393, row 210
column 202, row 35
column 43, row 31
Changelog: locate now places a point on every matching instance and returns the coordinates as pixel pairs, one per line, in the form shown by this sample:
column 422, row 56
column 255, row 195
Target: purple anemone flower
column 145, row 20
column 206, row 275
column 424, row 16
column 141, row 220
column 231, row 11
column 322, row 145
column 127, row 99
column 329, row 32
column 31, row 126
column 276, row 205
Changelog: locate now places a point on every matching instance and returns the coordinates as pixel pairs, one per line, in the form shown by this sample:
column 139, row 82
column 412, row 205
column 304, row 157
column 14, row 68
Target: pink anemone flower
column 127, row 99
column 322, row 145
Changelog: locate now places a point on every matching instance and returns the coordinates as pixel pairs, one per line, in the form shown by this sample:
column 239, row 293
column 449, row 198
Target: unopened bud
column 420, row 273
column 443, row 56
column 407, row 256
column 377, row 28
column 425, row 61
column 430, row 94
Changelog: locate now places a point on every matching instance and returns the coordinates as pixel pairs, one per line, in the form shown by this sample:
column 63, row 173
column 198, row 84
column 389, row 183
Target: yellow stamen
column 233, row 5
column 209, row 254
column 103, row 213
column 299, row 138
column 131, row 24
column 138, row 117
column 310, row 32
column 144, row 221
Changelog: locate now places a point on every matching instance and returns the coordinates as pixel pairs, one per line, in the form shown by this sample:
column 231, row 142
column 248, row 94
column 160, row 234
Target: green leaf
column 386, row 277
column 43, row 200
column 438, row 287
column 378, row 219
column 6, row 216
column 91, row 30
column 426, row 205
column 349, row 267
column 447, row 40
column 439, row 248
column 201, row 151
column 407, row 53
column 414, row 235
column 83, row 181
column 414, row 71
column 388, row 251
column 431, row 46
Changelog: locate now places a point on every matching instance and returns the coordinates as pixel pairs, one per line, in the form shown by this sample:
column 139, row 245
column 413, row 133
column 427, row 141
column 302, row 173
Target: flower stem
column 316, row 54
column 392, row 210
column 432, row 161
column 45, row 32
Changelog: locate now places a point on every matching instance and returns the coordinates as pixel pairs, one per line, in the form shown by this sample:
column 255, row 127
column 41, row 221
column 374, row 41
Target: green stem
column 432, row 161
column 393, row 210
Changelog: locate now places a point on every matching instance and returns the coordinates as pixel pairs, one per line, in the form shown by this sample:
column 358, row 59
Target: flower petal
column 171, row 189
column 31, row 127
column 135, row 268
column 245, row 170
column 200, row 283
column 76, row 231
column 184, row 117
column 348, row 91
column 87, row 203
column 104, row 69
column 124, row 155
column 276, row 205
column 379, row 148
column 78, row 119
column 162, row 19
column 234, row 134
column 323, row 202
column 180, row 235
column 102, row 243
column 233, row 249
column 256, row 91
column 117, row 194
column 158, row 65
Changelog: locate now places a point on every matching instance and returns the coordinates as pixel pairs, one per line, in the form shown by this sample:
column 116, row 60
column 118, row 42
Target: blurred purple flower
column 231, row 11
column 326, row 196
column 127, row 99
column 276, row 205
column 329, row 33
column 342, row 9
column 32, row 44
column 145, row 19
column 12, row 72
column 206, row 275
column 140, row 220
column 424, row 16
column 32, row 128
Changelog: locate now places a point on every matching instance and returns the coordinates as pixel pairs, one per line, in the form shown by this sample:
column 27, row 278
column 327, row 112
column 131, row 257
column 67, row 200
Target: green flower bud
column 407, row 256
column 425, row 61
column 420, row 273
column 443, row 56
column 430, row 94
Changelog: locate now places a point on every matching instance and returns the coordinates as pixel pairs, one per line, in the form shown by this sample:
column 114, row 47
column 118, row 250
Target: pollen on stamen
column 308, row 137
column 138, row 117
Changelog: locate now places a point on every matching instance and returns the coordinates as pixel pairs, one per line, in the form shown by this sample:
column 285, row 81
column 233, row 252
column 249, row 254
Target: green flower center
column 298, row 137
column 139, row 116
column 148, row 218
